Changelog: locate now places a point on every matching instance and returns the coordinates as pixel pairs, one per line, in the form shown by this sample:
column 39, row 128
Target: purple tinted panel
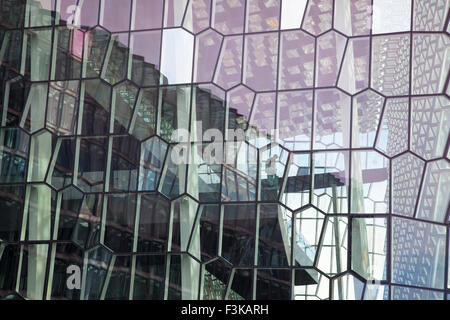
column 433, row 203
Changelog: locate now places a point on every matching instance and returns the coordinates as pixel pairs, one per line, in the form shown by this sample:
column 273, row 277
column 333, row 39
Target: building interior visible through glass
column 338, row 190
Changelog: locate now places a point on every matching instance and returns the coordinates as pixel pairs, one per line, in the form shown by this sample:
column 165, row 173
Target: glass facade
column 224, row 149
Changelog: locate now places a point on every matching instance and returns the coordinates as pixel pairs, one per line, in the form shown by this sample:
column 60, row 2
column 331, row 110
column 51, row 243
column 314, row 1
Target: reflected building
column 336, row 188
